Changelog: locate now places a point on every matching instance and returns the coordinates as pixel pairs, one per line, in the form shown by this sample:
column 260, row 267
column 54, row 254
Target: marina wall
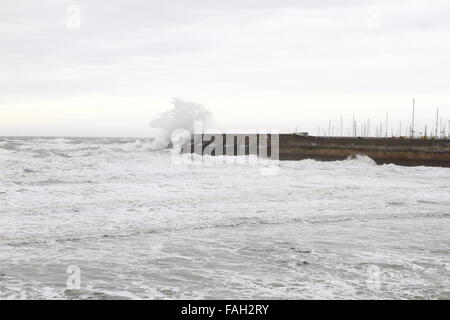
column 400, row 151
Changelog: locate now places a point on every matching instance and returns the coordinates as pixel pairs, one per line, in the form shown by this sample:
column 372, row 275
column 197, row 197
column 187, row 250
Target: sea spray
column 361, row 158
column 181, row 116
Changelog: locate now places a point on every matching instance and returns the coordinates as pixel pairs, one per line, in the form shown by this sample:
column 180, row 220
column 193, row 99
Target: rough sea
column 137, row 225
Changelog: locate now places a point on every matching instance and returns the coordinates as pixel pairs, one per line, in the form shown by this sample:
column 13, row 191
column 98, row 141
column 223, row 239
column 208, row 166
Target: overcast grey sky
column 253, row 63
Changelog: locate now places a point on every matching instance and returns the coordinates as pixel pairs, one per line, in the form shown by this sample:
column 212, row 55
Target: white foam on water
column 140, row 226
column 361, row 158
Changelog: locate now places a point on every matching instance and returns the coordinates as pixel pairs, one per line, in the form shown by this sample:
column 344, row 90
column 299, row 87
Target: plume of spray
column 181, row 116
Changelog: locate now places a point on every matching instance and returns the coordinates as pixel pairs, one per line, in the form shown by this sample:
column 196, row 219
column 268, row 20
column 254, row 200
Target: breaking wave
column 361, row 158
column 181, row 116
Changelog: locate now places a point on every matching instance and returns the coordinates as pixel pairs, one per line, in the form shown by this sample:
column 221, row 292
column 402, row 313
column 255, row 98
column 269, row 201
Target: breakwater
column 400, row 151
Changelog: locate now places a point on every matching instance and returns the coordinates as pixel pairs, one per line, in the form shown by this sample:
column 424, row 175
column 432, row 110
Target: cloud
column 210, row 49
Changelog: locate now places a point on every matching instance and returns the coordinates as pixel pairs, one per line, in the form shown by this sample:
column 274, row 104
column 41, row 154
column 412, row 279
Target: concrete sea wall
column 406, row 152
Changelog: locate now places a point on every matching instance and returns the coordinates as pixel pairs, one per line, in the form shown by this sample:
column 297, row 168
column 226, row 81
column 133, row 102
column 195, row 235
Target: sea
column 113, row 218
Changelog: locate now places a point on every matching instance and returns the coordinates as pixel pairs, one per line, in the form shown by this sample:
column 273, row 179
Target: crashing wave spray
column 182, row 116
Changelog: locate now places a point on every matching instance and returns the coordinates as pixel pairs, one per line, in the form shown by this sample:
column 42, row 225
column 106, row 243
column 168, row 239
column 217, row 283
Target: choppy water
column 139, row 226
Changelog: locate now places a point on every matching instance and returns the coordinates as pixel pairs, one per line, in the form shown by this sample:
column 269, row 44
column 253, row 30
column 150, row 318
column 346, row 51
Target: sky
column 107, row 68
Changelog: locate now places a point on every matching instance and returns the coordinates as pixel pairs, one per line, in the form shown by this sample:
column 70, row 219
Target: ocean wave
column 11, row 146
column 240, row 222
column 66, row 148
column 361, row 159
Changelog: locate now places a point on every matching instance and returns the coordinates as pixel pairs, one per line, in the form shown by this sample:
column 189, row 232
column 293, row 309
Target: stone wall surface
column 407, row 152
